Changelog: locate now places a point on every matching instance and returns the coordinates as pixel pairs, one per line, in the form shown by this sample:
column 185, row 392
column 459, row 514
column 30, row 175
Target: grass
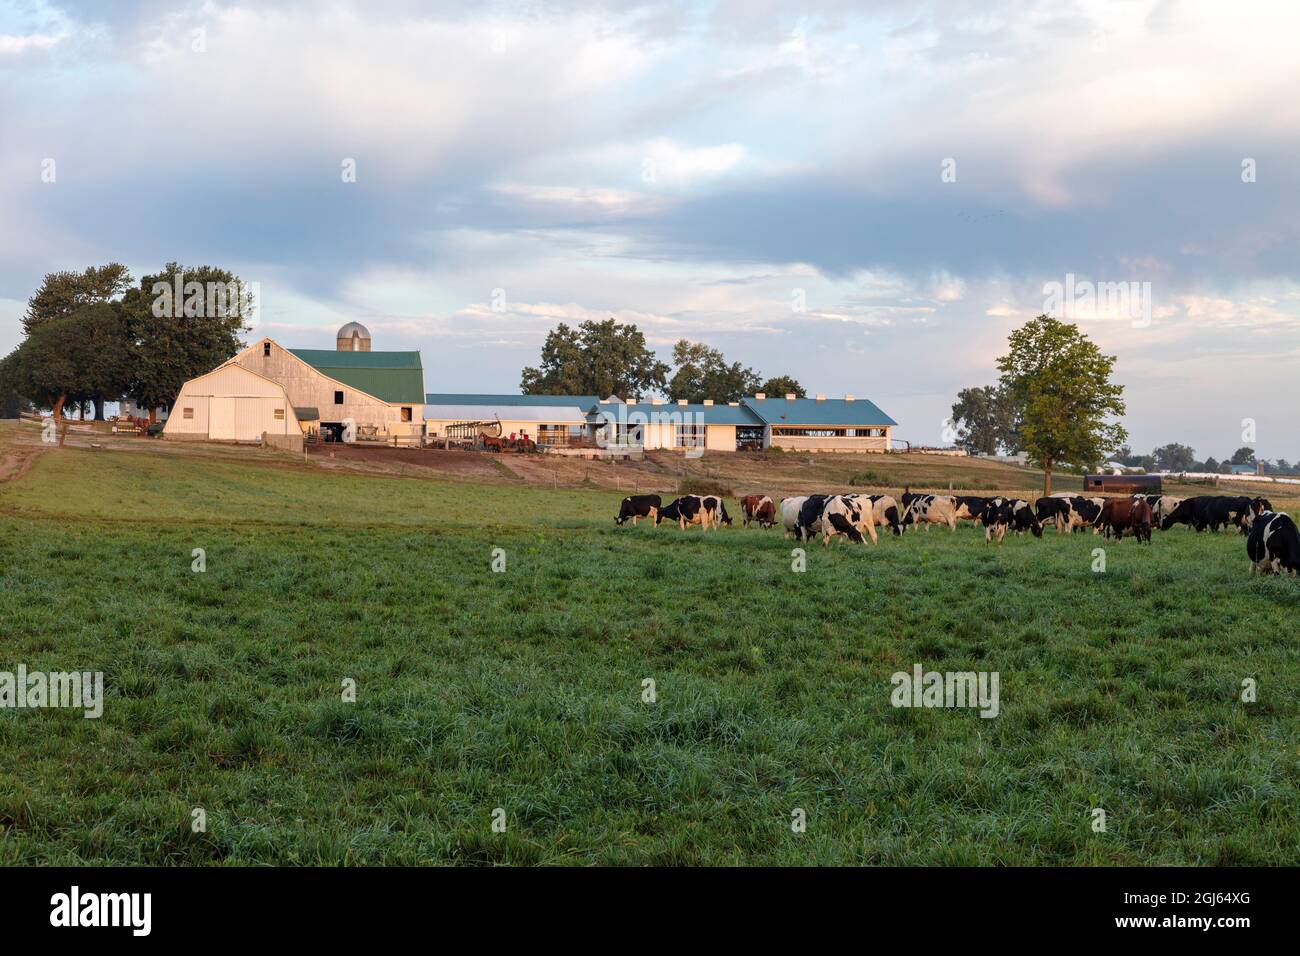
column 523, row 689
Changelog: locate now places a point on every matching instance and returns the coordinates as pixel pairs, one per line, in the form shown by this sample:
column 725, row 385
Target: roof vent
column 656, row 401
column 821, row 398
column 683, row 401
column 789, row 396
column 848, row 397
column 734, row 404
column 760, row 395
column 708, row 403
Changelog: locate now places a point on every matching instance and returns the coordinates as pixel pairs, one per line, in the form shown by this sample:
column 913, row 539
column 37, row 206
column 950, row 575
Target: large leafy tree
column 986, row 419
column 179, row 337
column 1060, row 383
column 596, row 358
column 779, row 386
column 62, row 293
column 1243, row 456
column 71, row 357
column 703, row 373
column 65, row 292
column 1174, row 457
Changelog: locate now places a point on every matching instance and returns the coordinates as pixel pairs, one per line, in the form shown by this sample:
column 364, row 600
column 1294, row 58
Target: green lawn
column 523, row 690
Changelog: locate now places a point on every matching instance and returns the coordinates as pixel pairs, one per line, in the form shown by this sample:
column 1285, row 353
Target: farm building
column 380, row 393
column 822, row 424
column 708, row 426
column 547, row 419
column 232, row 403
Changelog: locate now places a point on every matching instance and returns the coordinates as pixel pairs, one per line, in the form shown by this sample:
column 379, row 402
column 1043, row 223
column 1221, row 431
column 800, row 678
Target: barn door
column 221, row 418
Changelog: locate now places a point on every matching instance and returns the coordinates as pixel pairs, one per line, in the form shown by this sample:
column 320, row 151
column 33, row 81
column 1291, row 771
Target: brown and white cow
column 758, row 508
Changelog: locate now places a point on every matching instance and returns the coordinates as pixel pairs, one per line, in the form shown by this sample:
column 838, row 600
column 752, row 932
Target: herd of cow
column 1273, row 542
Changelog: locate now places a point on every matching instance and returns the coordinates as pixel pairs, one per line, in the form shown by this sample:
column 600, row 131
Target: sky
column 867, row 196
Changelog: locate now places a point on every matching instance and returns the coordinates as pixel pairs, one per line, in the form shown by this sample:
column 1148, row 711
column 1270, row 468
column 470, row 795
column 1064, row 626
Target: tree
column 597, row 358
column 1060, row 383
column 703, row 373
column 986, row 420
column 63, row 293
column 180, row 336
column 780, row 386
column 1243, row 456
column 1174, row 457
column 1210, row 465
column 71, row 357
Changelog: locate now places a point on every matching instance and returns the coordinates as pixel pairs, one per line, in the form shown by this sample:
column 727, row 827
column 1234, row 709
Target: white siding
column 230, row 403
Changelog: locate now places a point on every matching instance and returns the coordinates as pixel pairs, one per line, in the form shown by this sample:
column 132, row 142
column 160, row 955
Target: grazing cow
column 1009, row 513
column 790, row 508
column 971, row 508
column 1161, row 505
column 809, row 519
column 1256, row 508
column 1067, row 512
column 1274, row 544
column 704, row 510
column 758, row 508
column 884, row 512
column 930, row 509
column 1209, row 511
column 636, row 507
column 847, row 515
column 1126, row 514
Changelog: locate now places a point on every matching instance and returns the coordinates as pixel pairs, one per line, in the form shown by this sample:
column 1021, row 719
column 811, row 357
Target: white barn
column 232, row 403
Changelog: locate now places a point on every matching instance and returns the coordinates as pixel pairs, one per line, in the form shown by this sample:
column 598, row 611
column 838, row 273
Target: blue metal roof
column 699, row 414
column 563, row 401
column 812, row 411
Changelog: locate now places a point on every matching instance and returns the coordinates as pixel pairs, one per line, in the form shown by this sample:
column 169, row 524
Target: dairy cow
column 1273, row 545
column 1209, row 511
column 1125, row 514
column 707, row 511
column 758, row 508
column 884, row 512
column 848, row 515
column 929, row 509
column 1067, row 512
column 636, row 507
column 790, row 508
column 971, row 508
column 1005, row 514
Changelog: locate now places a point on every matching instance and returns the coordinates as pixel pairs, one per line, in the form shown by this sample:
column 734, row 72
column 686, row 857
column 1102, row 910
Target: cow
column 704, row 510
column 1209, row 511
column 930, row 509
column 884, row 512
column 1256, row 508
column 636, row 507
column 1067, row 512
column 790, row 508
column 1125, row 514
column 971, row 508
column 843, row 514
column 1009, row 513
column 758, row 508
column 1273, row 545
column 1161, row 505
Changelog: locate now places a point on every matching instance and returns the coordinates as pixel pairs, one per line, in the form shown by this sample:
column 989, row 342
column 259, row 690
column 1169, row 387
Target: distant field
column 523, row 690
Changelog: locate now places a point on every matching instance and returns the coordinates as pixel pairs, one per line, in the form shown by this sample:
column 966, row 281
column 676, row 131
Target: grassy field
column 523, row 690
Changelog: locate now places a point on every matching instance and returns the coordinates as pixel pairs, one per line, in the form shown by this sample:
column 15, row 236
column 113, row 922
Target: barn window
column 266, row 348
column 689, row 436
column 279, row 414
column 338, row 398
column 187, row 413
column 406, row 414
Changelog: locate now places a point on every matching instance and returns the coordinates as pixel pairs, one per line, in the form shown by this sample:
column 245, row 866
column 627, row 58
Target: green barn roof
column 813, row 411
column 388, row 376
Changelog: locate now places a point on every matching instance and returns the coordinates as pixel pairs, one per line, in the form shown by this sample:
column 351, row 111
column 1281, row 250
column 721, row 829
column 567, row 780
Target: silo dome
column 354, row 337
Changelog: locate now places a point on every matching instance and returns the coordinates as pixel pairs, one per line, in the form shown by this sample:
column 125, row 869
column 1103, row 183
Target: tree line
column 98, row 336
column 606, row 358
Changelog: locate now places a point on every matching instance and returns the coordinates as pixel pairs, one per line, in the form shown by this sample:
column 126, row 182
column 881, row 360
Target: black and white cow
column 790, row 509
column 1209, row 511
column 1067, row 512
column 885, row 512
column 971, row 508
column 848, row 515
column 1274, row 544
column 1010, row 513
column 704, row 510
column 930, row 509
column 636, row 507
